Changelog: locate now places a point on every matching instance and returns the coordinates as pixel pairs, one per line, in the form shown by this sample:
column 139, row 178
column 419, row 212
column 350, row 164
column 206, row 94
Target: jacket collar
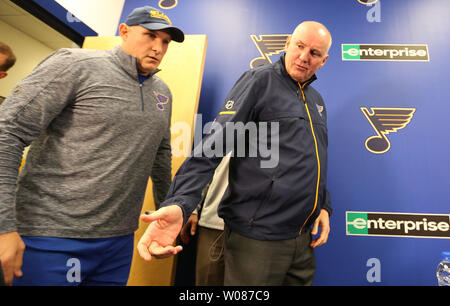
column 281, row 68
column 128, row 62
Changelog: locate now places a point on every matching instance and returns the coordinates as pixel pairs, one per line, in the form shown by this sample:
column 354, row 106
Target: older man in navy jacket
column 273, row 207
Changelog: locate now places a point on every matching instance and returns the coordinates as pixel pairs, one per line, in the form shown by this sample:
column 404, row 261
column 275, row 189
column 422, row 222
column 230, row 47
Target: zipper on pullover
column 317, row 154
column 142, row 97
column 142, row 79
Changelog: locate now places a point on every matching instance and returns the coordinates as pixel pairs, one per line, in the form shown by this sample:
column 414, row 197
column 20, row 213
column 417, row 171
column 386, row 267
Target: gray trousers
column 209, row 269
column 250, row 262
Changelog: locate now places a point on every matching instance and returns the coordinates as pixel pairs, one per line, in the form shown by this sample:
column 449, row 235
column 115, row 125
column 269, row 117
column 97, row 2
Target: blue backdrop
column 412, row 177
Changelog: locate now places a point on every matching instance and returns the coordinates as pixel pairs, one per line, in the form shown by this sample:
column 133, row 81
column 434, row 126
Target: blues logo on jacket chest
column 162, row 100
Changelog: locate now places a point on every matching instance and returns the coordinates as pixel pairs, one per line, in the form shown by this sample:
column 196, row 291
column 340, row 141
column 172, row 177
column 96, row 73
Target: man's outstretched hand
column 158, row 239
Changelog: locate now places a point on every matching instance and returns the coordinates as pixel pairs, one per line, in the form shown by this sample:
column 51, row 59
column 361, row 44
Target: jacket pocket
column 264, row 200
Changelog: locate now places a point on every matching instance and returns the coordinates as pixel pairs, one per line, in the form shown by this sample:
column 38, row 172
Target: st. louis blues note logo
column 167, row 4
column 162, row 100
column 367, row 2
column 268, row 45
column 385, row 121
column 320, row 109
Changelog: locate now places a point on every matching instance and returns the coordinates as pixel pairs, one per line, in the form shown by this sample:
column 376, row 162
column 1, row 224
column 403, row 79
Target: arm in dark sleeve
column 198, row 169
column 327, row 202
column 31, row 107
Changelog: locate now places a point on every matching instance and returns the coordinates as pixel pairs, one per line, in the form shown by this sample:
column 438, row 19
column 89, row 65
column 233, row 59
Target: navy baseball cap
column 153, row 19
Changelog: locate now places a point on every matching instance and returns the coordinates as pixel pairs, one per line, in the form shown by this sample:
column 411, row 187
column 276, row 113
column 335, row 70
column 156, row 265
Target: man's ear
column 3, row 74
column 123, row 30
column 324, row 61
column 288, row 42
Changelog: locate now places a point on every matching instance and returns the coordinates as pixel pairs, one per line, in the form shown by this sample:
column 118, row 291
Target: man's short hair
column 10, row 57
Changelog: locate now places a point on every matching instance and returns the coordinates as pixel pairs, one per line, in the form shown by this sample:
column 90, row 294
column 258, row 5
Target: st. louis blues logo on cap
column 160, row 15
column 154, row 20
column 162, row 100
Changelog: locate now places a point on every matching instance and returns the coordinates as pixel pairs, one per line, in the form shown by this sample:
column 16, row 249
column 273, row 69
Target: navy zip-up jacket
column 266, row 203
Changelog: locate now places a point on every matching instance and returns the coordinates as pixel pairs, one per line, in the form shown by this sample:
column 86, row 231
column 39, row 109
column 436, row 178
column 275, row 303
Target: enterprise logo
column 396, row 224
column 366, row 52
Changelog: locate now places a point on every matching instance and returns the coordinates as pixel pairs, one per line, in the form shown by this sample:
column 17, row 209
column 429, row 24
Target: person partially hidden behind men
column 7, row 60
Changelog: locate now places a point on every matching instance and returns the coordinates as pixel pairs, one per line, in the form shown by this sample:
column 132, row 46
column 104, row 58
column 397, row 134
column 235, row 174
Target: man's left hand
column 323, row 221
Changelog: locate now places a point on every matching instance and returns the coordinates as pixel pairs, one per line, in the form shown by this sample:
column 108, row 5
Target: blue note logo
column 268, row 45
column 160, row 15
column 320, row 109
column 385, row 121
column 168, row 4
column 162, row 100
column 367, row 2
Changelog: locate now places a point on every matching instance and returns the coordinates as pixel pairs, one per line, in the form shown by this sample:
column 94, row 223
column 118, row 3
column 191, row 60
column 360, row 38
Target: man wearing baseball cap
column 98, row 123
column 146, row 34
column 153, row 20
